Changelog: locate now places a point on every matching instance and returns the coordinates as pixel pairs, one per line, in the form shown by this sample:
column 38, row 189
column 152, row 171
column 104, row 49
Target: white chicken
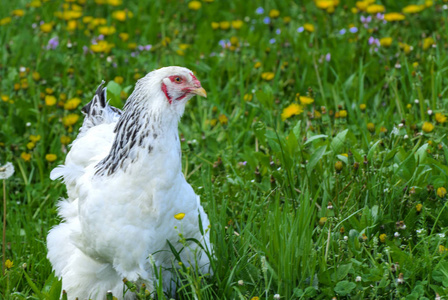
column 125, row 185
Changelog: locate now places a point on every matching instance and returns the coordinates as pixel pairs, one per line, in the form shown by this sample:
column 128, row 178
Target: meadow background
column 320, row 154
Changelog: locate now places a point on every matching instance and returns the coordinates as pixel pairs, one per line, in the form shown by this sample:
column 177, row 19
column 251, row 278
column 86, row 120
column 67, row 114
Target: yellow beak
column 200, row 92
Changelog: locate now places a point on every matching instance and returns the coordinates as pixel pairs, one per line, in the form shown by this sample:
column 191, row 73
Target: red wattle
column 165, row 91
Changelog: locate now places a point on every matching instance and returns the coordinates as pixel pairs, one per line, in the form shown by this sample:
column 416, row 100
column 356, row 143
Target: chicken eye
column 178, row 79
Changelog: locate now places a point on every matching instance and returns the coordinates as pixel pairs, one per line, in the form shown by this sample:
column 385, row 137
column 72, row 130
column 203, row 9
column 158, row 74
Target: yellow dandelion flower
column 255, row 298
column 306, row 100
column 383, row 238
column 286, row 19
column 194, row 5
column 25, row 156
column 442, row 249
column 274, row 13
column 72, row 104
column 179, row 216
column 36, row 76
column 35, row 3
column 132, row 46
column 30, row 145
column 51, row 157
column 322, row 221
column 124, row 36
column 119, row 79
column 267, row 76
column 102, row 46
column 215, row 25
column 362, row 5
column 427, row 127
column 70, row 120
column 50, row 100
column 107, row 30
column 291, row 110
column 440, row 118
column 394, row 16
column 72, row 25
column 65, row 140
column 371, row 127
column 35, row 138
column 386, row 41
column 338, row 166
column 309, row 27
column 18, row 12
column 257, row 65
column 248, row 97
column 5, row 98
column 223, row 119
column 405, row 47
column 224, row 25
column 213, row 122
column 119, row 15
column 343, row 113
column 428, row 42
column 115, row 2
column 5, row 21
column 413, row 9
column 419, row 207
column 441, row 192
column 362, row 107
column 375, row 8
column 9, row 264
column 325, row 4
column 46, row 27
column 87, row 19
column 429, row 3
column 237, row 24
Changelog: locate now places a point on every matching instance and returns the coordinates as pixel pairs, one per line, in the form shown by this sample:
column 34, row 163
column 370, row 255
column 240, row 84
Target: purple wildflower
column 342, row 31
column 278, row 31
column 373, row 40
column 272, row 41
column 300, row 29
column 328, row 57
column 353, row 30
column 53, row 43
column 380, row 16
column 267, row 20
column 259, row 11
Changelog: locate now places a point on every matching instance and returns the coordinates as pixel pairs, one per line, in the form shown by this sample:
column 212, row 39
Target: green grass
column 284, row 219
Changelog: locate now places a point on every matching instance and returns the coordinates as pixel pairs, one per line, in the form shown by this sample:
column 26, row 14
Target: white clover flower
column 276, row 296
column 240, row 282
column 396, row 234
column 358, row 278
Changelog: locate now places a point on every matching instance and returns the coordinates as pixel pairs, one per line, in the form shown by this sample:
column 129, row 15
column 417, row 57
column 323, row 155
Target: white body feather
column 113, row 223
